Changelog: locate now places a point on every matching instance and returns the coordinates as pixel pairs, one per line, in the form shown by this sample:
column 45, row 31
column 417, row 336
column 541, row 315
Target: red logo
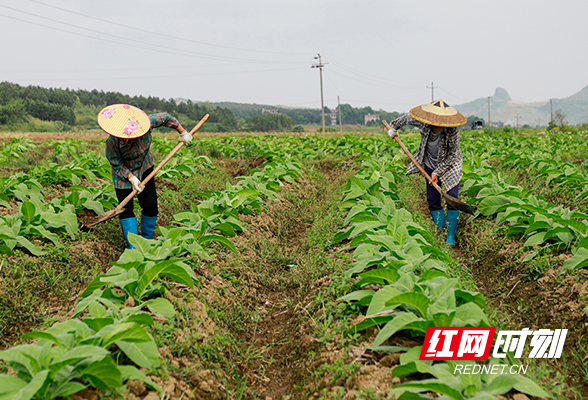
column 457, row 343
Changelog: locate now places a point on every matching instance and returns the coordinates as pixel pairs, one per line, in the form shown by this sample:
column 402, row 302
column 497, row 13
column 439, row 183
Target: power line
column 165, row 35
column 369, row 76
column 451, row 94
column 164, row 49
column 380, row 85
column 168, row 76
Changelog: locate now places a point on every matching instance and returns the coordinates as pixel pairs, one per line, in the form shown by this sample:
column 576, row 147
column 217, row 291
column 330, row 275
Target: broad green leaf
column 368, row 322
column 493, row 204
column 91, row 297
column 379, row 299
column 411, row 368
column 161, row 306
column 169, row 268
column 535, row 239
column 97, row 310
column 28, row 391
column 470, row 314
column 443, row 319
column 97, row 324
column 527, row 386
column 24, row 242
column 225, row 229
column 362, row 296
column 28, row 212
column 10, row 385
column 42, row 335
column 126, row 331
column 104, row 374
column 143, row 354
column 400, row 322
column 140, row 243
column 76, row 355
column 416, row 300
column 482, row 396
column 68, row 389
column 467, row 296
column 378, row 276
column 217, row 238
column 577, row 261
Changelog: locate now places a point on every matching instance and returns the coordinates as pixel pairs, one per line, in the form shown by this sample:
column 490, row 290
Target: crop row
column 108, row 337
column 544, row 225
column 556, row 162
column 414, row 290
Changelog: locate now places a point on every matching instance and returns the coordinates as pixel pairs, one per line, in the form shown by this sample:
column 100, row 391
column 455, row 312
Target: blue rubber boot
column 439, row 219
column 129, row 225
column 452, row 218
column 148, row 226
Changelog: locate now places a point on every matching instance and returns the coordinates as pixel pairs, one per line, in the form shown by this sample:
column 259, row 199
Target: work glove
column 136, row 183
column 392, row 133
column 185, row 137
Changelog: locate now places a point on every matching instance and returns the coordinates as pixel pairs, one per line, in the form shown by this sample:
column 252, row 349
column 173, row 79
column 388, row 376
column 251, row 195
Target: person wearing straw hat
column 439, row 154
column 128, row 149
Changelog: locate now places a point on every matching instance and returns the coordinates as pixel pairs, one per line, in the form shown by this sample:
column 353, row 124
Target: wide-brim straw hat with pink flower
column 124, row 121
column 438, row 113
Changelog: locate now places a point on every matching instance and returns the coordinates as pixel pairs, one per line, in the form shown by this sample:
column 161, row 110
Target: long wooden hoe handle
column 123, row 203
column 414, row 161
column 460, row 205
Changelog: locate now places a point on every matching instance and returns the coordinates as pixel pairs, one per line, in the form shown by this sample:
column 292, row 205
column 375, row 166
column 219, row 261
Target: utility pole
column 432, row 92
column 517, row 116
column 320, row 66
column 339, row 107
column 488, row 124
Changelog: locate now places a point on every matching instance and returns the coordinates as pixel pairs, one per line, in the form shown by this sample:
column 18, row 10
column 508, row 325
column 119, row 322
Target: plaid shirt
column 133, row 156
column 449, row 160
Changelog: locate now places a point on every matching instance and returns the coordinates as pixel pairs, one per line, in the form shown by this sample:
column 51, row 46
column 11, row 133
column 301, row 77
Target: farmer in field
column 129, row 153
column 439, row 154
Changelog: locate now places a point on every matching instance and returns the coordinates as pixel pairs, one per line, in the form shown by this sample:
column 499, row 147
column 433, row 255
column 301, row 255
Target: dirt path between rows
column 269, row 287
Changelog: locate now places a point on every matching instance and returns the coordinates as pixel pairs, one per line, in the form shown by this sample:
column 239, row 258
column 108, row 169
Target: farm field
column 288, row 266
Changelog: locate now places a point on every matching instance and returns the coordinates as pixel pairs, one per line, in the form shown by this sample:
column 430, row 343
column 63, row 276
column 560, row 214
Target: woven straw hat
column 438, row 113
column 124, row 121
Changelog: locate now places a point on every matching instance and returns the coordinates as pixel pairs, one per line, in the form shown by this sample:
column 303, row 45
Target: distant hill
column 504, row 109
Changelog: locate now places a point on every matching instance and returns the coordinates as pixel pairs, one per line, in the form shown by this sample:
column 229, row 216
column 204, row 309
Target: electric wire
column 370, row 76
column 135, row 77
column 165, row 35
column 165, row 49
column 364, row 78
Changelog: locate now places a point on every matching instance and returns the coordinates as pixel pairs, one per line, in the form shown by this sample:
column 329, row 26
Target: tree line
column 78, row 108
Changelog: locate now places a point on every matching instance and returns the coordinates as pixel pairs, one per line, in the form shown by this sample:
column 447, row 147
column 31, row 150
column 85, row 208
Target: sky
column 386, row 54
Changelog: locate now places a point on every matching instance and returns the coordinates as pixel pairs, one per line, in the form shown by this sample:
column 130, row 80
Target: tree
column 270, row 123
column 13, row 113
column 559, row 118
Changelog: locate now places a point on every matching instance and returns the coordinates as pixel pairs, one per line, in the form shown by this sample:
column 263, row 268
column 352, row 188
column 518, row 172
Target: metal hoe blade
column 104, row 217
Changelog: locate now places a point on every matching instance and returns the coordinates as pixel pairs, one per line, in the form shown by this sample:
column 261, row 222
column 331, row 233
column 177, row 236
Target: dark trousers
column 147, row 199
column 434, row 197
